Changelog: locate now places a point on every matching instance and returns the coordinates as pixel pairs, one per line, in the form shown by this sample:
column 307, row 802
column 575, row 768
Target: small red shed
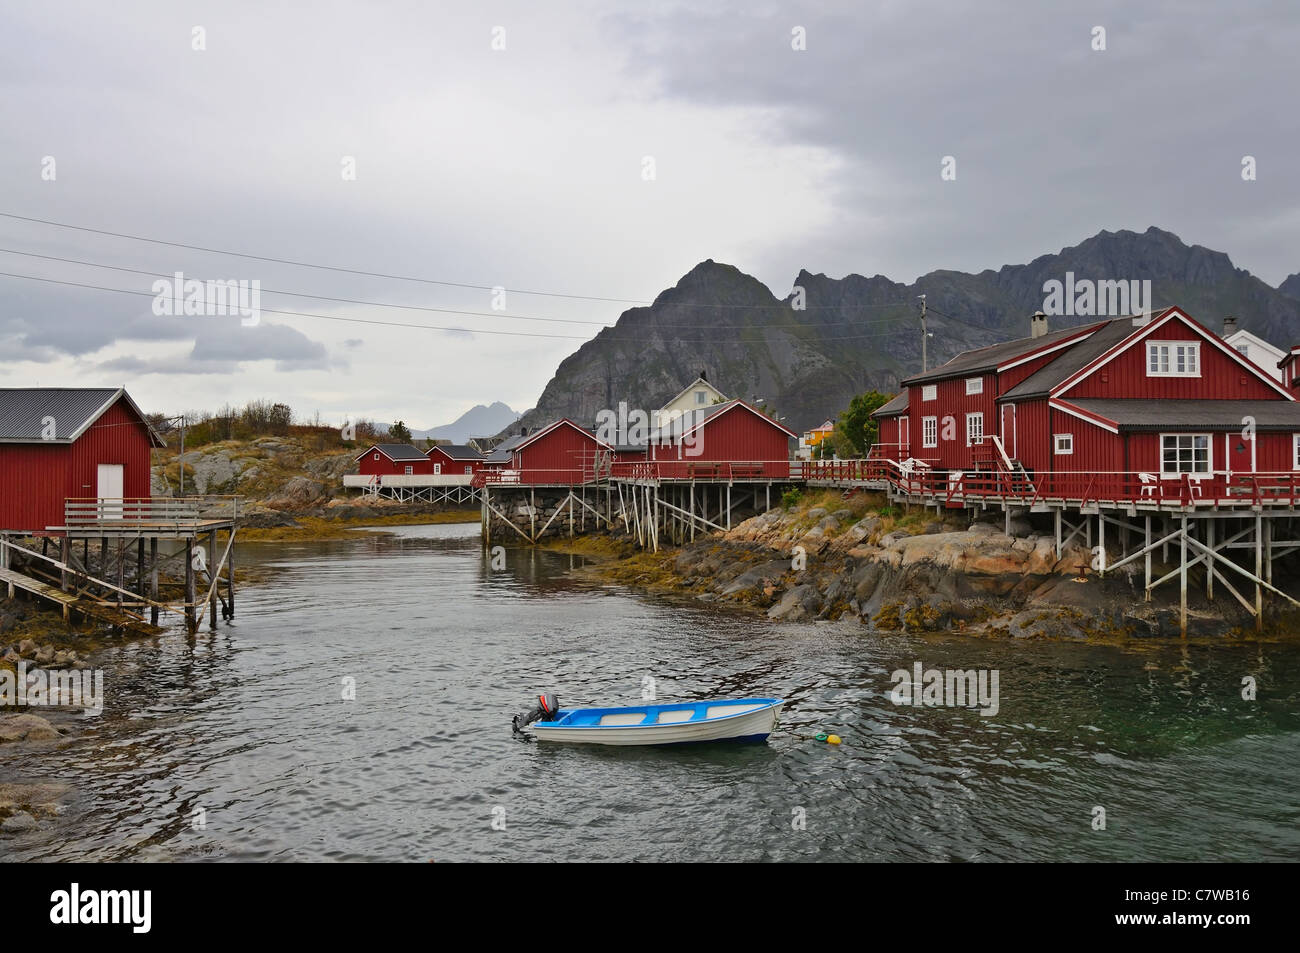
column 60, row 443
column 393, row 459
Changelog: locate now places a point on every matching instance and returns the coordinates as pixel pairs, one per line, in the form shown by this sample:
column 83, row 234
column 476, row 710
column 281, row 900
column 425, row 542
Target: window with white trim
column 409, row 470
column 437, row 469
column 974, row 385
column 1064, row 443
column 469, row 470
column 929, row 431
column 1173, row 359
column 1184, row 453
column 376, row 456
column 974, row 429
column 1243, row 350
column 929, row 391
column 1295, row 456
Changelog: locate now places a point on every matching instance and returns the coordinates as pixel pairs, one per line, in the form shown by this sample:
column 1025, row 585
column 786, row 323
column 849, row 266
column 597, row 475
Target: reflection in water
column 251, row 726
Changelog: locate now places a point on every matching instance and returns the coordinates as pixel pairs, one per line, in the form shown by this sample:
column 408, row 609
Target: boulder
column 26, row 727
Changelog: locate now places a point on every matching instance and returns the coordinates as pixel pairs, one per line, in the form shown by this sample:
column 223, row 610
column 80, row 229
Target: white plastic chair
column 1148, row 483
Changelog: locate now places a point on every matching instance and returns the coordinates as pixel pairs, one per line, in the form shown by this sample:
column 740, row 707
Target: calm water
column 250, row 726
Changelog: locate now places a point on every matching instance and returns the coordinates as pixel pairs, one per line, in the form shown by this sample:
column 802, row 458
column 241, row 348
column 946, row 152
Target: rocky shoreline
column 831, row 558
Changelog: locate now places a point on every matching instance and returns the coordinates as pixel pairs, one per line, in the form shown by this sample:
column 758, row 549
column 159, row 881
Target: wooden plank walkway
column 72, row 603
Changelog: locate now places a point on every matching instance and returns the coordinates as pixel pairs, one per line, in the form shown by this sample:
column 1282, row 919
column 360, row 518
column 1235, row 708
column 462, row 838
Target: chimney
column 1229, row 326
column 1037, row 324
column 704, row 375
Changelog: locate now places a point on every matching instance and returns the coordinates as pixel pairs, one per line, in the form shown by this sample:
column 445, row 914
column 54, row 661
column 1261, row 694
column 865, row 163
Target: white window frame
column 701, row 398
column 929, row 432
column 929, row 391
column 1193, row 474
column 1163, row 358
column 437, row 469
column 1063, row 449
column 971, row 418
column 376, row 456
column 1295, row 451
column 974, row 385
column 469, row 469
column 409, row 469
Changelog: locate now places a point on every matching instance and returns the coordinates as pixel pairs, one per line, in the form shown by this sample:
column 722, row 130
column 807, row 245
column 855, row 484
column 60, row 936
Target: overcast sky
column 526, row 167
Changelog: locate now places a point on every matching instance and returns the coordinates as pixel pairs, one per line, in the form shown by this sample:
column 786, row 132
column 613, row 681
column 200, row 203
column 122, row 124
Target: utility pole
column 924, row 364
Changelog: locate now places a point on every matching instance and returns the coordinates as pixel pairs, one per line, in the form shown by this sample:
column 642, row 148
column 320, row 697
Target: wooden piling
column 153, row 578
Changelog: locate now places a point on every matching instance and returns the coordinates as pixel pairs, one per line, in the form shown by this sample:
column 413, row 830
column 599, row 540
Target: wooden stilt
column 1147, row 559
column 153, row 578
column 1182, row 580
column 213, row 570
column 191, row 618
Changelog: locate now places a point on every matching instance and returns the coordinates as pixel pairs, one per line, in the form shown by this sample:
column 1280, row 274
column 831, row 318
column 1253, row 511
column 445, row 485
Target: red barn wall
column 951, row 401
column 565, row 453
column 1125, row 375
column 36, row 479
column 736, row 435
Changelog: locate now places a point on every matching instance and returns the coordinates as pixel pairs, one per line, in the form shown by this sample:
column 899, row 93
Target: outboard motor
column 546, row 709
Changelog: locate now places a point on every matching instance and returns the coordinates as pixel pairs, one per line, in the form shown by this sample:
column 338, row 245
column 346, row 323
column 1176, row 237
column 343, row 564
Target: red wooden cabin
column 58, row 444
column 454, row 460
column 560, row 453
column 393, row 459
column 1131, row 408
column 724, row 441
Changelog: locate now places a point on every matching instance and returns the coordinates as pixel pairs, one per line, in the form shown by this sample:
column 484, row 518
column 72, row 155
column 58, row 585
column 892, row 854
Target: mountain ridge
column 857, row 333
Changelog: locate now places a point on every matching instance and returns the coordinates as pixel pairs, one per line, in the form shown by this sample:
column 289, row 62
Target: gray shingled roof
column 894, row 407
column 397, row 451
column 1072, row 360
column 23, row 412
column 458, row 451
column 1208, row 415
column 985, row 359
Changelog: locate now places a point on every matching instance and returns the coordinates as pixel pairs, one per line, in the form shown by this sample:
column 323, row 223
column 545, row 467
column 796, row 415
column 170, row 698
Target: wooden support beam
column 153, row 579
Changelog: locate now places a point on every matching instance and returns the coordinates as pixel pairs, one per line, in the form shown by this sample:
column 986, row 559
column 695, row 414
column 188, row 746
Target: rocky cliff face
column 858, row 333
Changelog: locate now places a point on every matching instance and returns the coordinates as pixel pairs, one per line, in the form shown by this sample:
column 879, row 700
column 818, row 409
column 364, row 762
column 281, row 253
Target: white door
column 109, row 487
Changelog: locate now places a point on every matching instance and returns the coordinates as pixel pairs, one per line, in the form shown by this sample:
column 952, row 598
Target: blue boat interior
column 643, row 716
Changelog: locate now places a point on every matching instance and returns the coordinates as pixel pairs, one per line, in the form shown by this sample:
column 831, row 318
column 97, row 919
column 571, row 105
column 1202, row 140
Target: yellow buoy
column 832, row 739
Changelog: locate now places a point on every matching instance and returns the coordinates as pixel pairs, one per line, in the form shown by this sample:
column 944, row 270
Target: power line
column 375, row 274
column 303, row 294
column 308, row 264
column 707, row 338
column 412, row 307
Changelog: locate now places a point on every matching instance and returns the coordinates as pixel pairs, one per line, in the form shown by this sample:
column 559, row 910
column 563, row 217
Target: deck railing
column 923, row 478
column 81, row 512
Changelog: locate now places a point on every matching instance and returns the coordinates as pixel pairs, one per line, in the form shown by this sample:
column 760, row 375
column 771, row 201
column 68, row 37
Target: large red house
column 393, row 459
column 58, row 444
column 1134, row 404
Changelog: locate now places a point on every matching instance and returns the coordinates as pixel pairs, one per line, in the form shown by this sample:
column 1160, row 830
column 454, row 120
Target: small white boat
column 741, row 719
